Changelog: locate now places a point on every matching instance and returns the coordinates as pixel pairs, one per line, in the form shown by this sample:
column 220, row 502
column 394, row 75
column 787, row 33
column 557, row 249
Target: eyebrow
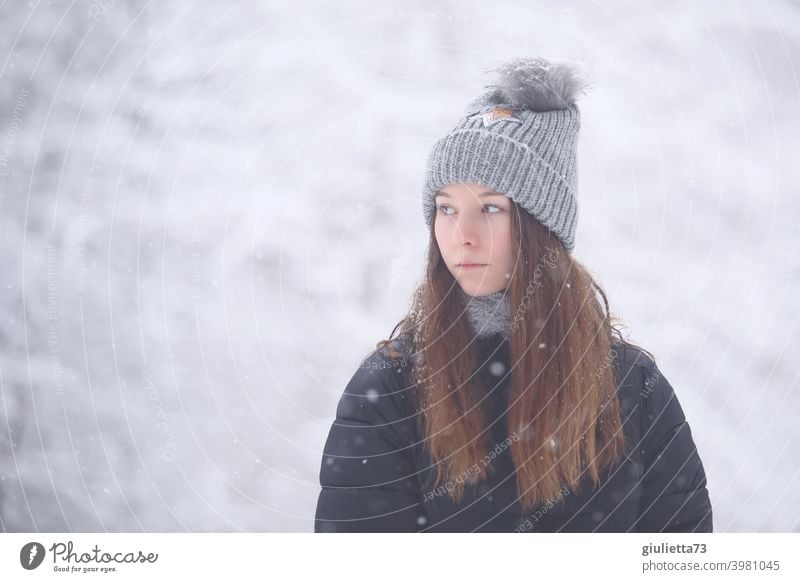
column 481, row 195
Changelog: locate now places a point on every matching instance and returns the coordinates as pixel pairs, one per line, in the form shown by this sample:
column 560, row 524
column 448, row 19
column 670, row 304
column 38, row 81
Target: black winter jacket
column 377, row 477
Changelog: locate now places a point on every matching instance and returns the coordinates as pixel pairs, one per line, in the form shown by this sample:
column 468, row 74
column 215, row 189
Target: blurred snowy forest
column 210, row 212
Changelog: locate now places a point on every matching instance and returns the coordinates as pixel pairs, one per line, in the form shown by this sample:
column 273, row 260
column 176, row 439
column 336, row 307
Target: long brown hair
column 563, row 416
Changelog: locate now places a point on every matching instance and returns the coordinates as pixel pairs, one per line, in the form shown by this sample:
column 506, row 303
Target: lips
column 468, row 264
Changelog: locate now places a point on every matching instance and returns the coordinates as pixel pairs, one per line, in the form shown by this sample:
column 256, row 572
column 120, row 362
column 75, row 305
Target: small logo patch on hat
column 496, row 114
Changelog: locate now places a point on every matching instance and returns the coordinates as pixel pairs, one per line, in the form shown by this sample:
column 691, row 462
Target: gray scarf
column 488, row 314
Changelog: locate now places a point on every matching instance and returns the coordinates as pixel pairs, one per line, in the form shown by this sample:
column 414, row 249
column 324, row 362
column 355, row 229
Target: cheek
column 501, row 242
column 440, row 234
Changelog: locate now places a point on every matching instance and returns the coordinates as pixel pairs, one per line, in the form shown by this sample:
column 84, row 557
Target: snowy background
column 210, row 212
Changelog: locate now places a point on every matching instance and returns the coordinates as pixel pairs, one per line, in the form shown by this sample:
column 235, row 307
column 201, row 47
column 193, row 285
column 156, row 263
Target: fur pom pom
column 539, row 85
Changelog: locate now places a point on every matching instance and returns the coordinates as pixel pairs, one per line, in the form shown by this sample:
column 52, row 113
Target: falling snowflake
column 372, row 395
column 497, row 368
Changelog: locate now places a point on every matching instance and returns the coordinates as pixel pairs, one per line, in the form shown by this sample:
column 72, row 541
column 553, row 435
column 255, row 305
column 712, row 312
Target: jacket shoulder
column 631, row 359
column 637, row 378
column 379, row 389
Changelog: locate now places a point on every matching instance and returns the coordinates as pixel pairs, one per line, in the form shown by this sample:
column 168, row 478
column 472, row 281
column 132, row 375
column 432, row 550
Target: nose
column 466, row 231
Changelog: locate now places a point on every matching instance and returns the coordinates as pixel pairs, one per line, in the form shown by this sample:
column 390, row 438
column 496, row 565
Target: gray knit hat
column 519, row 138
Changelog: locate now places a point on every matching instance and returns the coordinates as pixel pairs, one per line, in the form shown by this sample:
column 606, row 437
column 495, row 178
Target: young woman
column 506, row 400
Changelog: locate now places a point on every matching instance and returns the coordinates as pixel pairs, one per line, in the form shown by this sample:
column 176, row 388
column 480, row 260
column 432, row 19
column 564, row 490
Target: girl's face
column 473, row 227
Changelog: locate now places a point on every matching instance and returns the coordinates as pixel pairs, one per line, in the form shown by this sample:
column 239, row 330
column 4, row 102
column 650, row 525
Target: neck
column 488, row 314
